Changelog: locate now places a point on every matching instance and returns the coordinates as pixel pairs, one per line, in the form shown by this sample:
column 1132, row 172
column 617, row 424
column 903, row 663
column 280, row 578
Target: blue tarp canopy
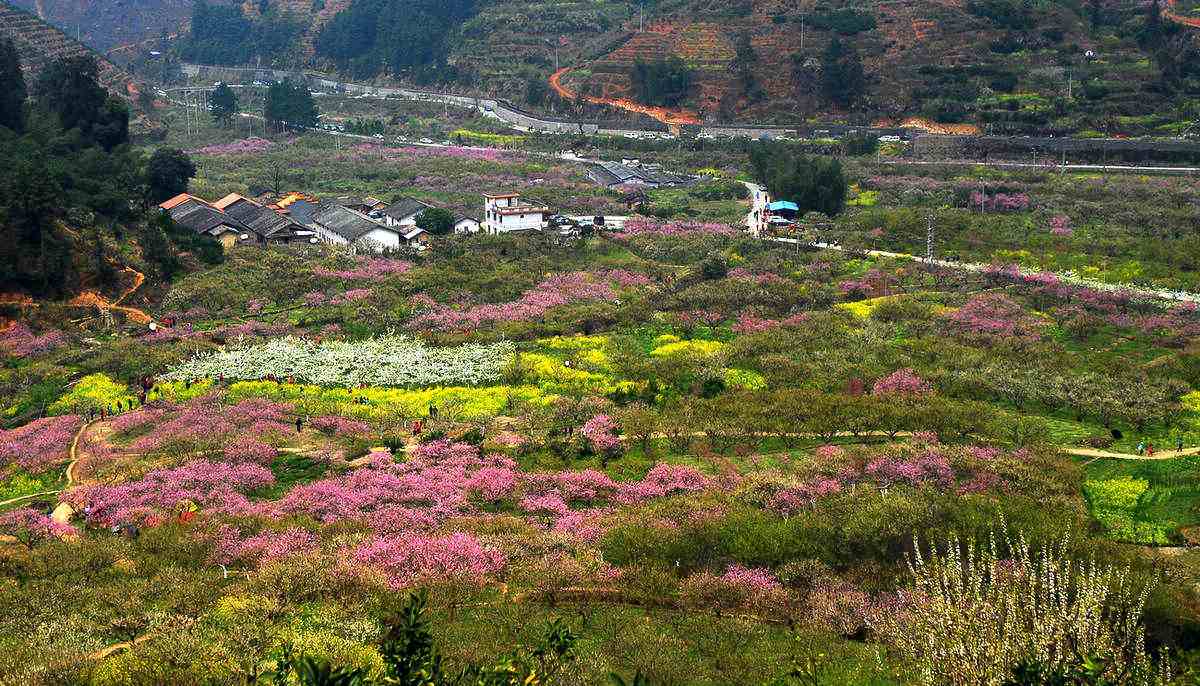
column 783, row 205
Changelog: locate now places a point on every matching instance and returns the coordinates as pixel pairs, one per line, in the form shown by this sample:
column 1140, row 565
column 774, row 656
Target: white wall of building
column 466, row 225
column 379, row 240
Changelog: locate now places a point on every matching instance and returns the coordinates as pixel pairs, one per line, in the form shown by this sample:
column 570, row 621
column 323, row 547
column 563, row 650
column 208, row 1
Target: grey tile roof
column 405, row 207
column 264, row 221
column 344, row 222
column 202, row 218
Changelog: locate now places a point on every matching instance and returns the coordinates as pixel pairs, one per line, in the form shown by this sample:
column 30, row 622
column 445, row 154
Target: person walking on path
column 299, row 424
column 417, row 426
column 1141, row 447
column 1179, row 444
column 1149, row 450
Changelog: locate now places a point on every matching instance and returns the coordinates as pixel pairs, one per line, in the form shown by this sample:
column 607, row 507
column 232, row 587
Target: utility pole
column 641, row 17
column 801, row 34
column 929, row 239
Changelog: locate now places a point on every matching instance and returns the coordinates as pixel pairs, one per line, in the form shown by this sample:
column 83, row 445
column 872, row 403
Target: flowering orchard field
column 674, row 455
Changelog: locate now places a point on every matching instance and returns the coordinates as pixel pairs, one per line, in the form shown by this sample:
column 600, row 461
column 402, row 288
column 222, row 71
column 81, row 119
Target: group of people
column 1147, row 449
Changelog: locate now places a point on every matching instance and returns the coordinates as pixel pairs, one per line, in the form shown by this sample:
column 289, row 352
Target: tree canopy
column 12, row 88
column 662, row 82
column 290, row 106
column 396, row 36
column 223, row 35
column 815, row 184
column 436, row 221
column 842, row 76
column 168, row 173
column 70, row 89
column 223, row 104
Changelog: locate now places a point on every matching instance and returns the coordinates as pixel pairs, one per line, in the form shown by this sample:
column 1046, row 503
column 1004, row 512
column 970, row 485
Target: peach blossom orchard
column 673, row 454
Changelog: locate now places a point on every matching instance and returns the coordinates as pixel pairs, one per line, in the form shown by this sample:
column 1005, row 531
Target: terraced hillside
column 1006, row 66
column 40, row 44
column 106, row 24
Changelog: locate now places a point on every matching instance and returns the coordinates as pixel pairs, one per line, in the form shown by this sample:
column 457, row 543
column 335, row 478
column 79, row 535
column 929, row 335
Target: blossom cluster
column 366, row 269
column 205, row 423
column 481, row 154
column 560, row 289
column 19, row 341
column 238, row 147
column 407, row 560
column 40, row 444
column 993, row 317
column 217, row 485
column 748, row 323
column 1060, row 225
column 1000, row 202
column 676, row 229
column 383, row 361
column 903, row 383
column 601, row 434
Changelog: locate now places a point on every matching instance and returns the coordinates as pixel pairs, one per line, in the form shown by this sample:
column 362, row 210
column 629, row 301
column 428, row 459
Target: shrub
column 971, row 616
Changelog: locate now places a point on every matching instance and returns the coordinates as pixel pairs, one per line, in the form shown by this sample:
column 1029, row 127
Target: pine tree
column 223, row 104
column 12, row 88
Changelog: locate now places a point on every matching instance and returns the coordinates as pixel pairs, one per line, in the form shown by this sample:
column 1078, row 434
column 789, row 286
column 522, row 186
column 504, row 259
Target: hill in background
column 1006, row 66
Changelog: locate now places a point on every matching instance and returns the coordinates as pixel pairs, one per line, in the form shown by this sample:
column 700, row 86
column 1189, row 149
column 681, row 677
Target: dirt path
column 94, row 299
column 662, row 114
column 117, row 647
column 1163, row 455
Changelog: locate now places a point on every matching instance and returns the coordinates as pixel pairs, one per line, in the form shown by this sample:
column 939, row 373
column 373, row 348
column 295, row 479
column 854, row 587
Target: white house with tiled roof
column 505, row 213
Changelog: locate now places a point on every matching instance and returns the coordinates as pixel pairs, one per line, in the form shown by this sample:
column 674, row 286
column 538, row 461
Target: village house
column 268, row 224
column 505, row 213
column 404, row 212
column 200, row 216
column 336, row 224
column 629, row 173
column 465, row 224
column 366, row 205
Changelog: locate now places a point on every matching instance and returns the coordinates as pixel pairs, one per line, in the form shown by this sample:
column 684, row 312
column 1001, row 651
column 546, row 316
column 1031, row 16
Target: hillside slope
column 39, row 44
column 1006, row 66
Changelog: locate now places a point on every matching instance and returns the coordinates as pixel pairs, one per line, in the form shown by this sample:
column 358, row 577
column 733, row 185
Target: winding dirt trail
column 662, row 114
column 94, row 299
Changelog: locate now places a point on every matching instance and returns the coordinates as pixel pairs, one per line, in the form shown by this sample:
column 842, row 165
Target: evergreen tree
column 290, row 106
column 815, row 184
column 71, row 90
column 12, row 88
column 168, row 173
column 842, row 76
column 223, row 104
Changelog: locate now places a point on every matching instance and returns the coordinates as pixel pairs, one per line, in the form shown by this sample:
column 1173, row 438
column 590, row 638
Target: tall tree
column 12, row 88
column 168, row 173
column 223, row 104
column 842, row 76
column 290, row 106
column 436, row 221
column 815, row 184
column 71, row 89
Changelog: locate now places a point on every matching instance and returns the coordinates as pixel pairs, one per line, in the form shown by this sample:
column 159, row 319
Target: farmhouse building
column 629, row 173
column 404, row 212
column 269, row 225
column 505, row 213
column 336, row 224
column 199, row 216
